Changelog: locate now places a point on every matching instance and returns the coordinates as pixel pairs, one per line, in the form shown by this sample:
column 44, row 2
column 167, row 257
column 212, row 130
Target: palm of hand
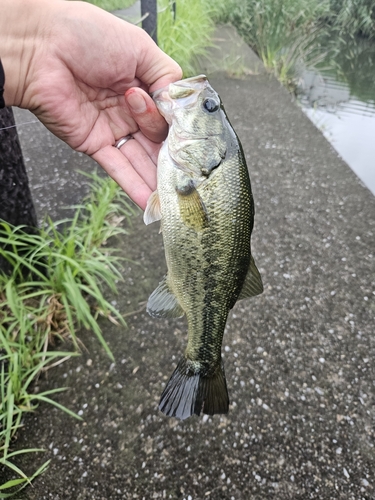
column 90, row 118
column 87, row 118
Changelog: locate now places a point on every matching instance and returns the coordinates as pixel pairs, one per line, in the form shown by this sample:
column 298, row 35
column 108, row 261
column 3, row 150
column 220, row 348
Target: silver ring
column 123, row 140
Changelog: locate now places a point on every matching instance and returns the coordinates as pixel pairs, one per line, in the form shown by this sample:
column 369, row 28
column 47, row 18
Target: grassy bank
column 57, row 285
column 281, row 33
column 289, row 34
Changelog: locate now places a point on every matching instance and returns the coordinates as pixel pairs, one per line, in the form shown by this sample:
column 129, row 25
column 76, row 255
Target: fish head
column 198, row 134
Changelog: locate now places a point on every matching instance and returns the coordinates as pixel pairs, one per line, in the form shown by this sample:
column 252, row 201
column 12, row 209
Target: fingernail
column 136, row 102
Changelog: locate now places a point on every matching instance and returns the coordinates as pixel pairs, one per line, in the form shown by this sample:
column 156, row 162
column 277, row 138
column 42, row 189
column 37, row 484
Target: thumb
column 155, row 67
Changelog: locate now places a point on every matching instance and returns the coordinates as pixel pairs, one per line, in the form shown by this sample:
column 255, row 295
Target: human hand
column 78, row 62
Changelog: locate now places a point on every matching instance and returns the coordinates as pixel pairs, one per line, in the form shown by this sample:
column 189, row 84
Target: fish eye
column 210, row 105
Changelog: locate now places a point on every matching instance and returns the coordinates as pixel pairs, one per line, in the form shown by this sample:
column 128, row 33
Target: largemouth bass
column 206, row 208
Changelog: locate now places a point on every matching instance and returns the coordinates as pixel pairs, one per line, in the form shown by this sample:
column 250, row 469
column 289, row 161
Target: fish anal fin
column 188, row 393
column 152, row 212
column 253, row 282
column 162, row 303
column 192, row 209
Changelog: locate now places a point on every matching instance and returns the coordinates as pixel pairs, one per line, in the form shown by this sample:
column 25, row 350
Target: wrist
column 21, row 34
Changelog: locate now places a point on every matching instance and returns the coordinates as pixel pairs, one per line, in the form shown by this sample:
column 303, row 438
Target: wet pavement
column 299, row 359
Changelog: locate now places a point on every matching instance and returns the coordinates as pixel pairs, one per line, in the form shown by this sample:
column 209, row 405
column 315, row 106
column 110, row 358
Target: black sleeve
column 2, row 81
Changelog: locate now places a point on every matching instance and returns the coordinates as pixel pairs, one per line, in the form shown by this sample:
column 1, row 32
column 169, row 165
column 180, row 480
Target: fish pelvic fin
column 163, row 303
column 188, row 393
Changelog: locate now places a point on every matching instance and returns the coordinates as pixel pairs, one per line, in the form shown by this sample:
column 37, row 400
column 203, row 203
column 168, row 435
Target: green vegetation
column 111, row 4
column 185, row 34
column 58, row 277
column 353, row 17
column 281, row 33
column 291, row 33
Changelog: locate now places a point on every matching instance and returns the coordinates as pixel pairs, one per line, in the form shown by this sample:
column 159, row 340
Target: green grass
column 186, row 35
column 57, row 285
column 111, row 4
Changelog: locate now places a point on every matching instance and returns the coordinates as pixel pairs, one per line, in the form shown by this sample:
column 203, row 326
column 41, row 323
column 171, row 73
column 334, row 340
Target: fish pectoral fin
column 163, row 303
column 152, row 212
column 253, row 282
column 192, row 209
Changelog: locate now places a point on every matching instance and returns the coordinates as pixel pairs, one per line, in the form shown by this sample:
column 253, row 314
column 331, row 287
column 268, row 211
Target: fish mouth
column 184, row 87
column 185, row 91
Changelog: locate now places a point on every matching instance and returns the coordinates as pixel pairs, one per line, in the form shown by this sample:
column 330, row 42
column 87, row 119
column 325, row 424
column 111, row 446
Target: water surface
column 340, row 101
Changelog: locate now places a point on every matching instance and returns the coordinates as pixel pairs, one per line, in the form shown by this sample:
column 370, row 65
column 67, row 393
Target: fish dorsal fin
column 253, row 282
column 163, row 303
column 192, row 209
column 152, row 212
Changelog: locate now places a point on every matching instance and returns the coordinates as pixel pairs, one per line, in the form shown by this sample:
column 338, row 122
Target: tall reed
column 353, row 17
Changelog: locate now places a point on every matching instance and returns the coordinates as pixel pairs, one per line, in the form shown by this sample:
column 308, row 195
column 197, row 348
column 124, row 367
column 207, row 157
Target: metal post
column 149, row 23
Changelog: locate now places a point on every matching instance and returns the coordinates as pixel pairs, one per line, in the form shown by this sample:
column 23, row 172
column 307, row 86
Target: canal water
column 340, row 100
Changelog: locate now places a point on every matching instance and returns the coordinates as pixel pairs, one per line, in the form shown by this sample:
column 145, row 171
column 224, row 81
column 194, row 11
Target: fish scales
column 206, row 208
column 206, row 269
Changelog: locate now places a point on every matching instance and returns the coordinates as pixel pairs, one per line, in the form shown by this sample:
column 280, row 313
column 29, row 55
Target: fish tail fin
column 189, row 393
